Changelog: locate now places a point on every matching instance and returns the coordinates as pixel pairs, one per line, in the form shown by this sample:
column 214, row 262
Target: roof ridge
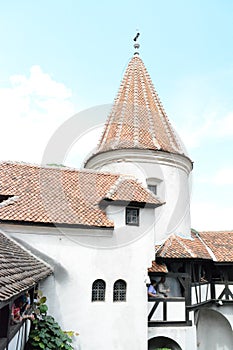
column 206, row 246
column 63, row 168
column 118, row 182
column 152, row 128
column 113, row 188
column 184, row 246
column 168, row 239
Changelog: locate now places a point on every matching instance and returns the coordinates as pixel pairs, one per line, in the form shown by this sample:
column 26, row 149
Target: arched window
column 119, row 291
column 98, row 290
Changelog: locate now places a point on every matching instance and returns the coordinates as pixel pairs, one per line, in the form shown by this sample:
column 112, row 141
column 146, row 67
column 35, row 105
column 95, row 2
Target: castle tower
column 139, row 140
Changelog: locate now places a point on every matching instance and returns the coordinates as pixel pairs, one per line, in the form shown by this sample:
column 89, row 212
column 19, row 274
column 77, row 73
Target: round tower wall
column 170, row 176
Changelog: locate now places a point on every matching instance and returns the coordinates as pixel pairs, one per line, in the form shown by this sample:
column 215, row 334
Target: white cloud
column 192, row 135
column 31, row 109
column 203, row 107
column 223, row 127
column 211, row 127
column 39, row 84
column 223, row 177
column 207, row 216
column 83, row 147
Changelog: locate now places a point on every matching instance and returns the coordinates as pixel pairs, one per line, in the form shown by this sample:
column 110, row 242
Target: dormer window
column 132, row 216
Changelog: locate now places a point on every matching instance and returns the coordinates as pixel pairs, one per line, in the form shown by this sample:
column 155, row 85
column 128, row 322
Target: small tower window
column 132, row 216
column 153, row 188
column 119, row 291
column 156, row 186
column 98, row 290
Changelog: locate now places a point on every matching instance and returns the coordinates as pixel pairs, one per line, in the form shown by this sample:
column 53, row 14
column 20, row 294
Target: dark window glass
column 98, row 290
column 4, row 321
column 132, row 216
column 119, row 291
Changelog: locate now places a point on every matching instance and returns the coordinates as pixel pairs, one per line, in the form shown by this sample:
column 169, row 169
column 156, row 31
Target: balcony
column 168, row 312
column 172, row 310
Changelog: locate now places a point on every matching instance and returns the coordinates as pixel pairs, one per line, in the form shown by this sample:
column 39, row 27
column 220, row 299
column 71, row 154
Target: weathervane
column 136, row 45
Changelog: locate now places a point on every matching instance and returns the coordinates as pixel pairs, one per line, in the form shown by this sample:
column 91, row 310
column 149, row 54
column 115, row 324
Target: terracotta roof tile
column 132, row 191
column 63, row 195
column 220, row 243
column 176, row 247
column 20, row 270
column 158, row 267
column 137, row 119
column 213, row 245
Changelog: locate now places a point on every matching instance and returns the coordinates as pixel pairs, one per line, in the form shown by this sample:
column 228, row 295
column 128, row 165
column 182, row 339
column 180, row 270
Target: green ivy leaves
column 45, row 332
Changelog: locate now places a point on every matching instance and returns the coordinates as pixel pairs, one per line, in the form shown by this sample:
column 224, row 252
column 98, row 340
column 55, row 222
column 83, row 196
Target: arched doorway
column 214, row 324
column 163, row 343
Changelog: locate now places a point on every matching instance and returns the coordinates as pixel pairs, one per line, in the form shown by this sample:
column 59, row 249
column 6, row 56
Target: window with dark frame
column 98, row 290
column 132, row 216
column 119, row 291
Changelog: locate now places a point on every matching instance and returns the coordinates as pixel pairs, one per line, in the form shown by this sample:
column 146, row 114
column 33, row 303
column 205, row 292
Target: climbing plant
column 45, row 332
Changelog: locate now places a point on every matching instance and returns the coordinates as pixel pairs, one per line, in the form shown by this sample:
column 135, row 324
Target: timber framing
column 204, row 284
column 185, row 282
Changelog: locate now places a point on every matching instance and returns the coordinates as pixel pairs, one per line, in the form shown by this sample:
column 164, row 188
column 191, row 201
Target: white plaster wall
column 125, row 234
column 175, row 311
column 105, row 325
column 226, row 311
column 218, row 328
column 219, row 289
column 203, row 293
column 184, row 336
column 174, row 189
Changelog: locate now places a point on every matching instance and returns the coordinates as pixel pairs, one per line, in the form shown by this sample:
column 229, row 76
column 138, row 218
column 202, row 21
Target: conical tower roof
column 137, row 119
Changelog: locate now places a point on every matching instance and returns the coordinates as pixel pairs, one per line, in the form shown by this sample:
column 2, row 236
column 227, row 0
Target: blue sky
column 60, row 57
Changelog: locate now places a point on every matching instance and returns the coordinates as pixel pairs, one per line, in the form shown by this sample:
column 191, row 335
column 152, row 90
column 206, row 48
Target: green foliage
column 45, row 332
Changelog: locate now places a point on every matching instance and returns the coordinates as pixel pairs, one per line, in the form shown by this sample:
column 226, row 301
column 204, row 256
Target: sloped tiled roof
column 63, row 195
column 216, row 246
column 138, row 119
column 158, row 267
column 19, row 269
column 130, row 190
column 183, row 248
column 220, row 243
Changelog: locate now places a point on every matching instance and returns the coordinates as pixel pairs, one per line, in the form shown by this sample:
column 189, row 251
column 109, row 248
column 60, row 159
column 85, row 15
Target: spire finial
column 136, row 45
